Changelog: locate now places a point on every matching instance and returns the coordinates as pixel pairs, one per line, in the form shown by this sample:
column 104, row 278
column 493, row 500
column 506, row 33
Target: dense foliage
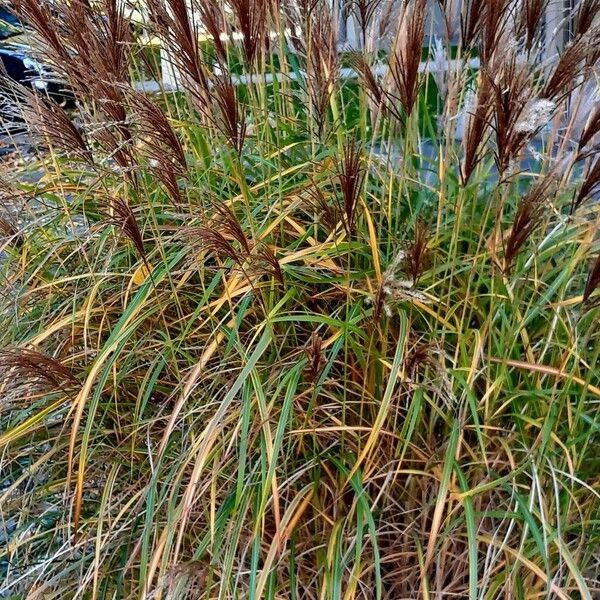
column 319, row 324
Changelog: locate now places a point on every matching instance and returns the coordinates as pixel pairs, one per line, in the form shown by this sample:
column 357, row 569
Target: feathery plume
column 593, row 280
column 232, row 118
column 211, row 15
column 417, row 255
column 156, row 129
column 516, row 117
column 592, row 126
column 364, row 11
column 322, row 60
column 268, row 264
column 530, row 211
column 586, row 15
column 50, row 121
column 251, row 20
column 231, row 227
column 531, row 15
column 316, row 358
column 591, row 184
column 358, row 62
column 477, row 109
column 381, row 99
column 122, row 216
column 406, row 53
column 29, row 364
column 393, row 289
column 350, row 177
column 164, row 149
column 46, row 23
column 471, row 18
column 177, row 27
column 451, row 12
column 218, row 244
column 536, row 114
column 494, row 26
column 419, row 356
column 566, row 75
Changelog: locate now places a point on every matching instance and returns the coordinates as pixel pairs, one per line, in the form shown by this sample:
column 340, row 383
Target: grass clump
column 280, row 335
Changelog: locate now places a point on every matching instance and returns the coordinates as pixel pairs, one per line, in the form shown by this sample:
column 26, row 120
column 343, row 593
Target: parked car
column 20, row 64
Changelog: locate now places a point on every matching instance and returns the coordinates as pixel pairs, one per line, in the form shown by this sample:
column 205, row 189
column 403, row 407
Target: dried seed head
column 418, row 256
column 231, row 227
column 123, row 217
column 156, row 130
column 418, row 357
column 513, row 100
column 566, row 76
column 350, row 177
column 495, row 28
column 593, row 280
column 478, row 113
column 370, row 83
column 530, row 212
column 212, row 16
column 438, row 66
column 531, row 15
column 268, row 264
column 364, row 11
column 51, row 123
column 591, row 183
column 592, row 125
column 214, row 241
column 406, row 54
column 471, row 18
column 232, row 117
column 251, row 21
column 9, row 232
column 176, row 26
column 322, row 60
column 586, row 16
column 394, row 287
column 316, row 358
column 28, row 365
